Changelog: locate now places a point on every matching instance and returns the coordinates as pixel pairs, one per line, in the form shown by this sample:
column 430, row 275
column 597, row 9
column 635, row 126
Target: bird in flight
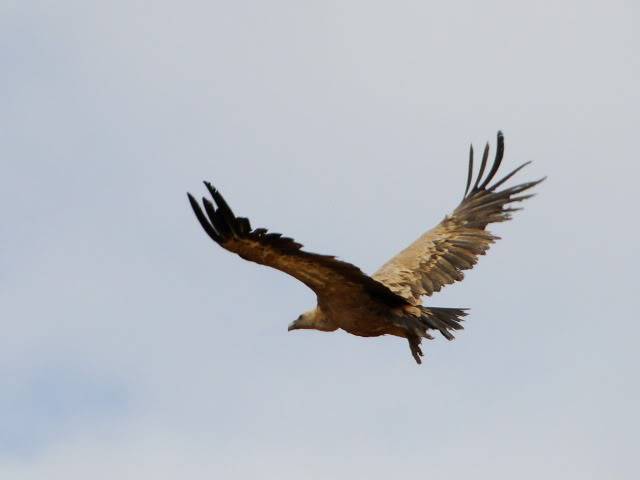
column 389, row 301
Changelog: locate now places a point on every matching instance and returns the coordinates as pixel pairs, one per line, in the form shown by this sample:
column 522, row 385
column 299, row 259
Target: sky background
column 133, row 347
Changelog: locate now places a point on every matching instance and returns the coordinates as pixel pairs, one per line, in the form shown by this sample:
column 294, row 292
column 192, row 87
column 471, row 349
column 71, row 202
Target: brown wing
column 439, row 256
column 324, row 274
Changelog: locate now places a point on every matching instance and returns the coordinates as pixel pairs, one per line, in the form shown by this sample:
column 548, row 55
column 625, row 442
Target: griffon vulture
column 387, row 302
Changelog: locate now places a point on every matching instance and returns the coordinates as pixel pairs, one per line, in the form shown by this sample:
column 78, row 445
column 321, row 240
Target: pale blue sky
column 133, row 347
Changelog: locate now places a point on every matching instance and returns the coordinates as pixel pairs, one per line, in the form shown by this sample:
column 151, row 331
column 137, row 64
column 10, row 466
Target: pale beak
column 292, row 326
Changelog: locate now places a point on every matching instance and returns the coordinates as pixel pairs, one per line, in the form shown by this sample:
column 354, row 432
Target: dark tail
column 433, row 318
column 443, row 319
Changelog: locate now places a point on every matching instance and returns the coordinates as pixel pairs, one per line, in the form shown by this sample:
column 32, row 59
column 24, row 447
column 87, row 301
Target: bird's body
column 389, row 301
column 356, row 318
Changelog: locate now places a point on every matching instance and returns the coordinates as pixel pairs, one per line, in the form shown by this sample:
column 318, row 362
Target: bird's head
column 312, row 320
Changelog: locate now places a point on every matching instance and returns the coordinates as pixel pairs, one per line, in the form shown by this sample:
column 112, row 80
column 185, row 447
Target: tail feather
column 443, row 319
column 433, row 318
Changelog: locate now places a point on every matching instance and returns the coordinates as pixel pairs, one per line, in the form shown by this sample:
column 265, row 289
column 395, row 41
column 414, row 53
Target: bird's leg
column 414, row 345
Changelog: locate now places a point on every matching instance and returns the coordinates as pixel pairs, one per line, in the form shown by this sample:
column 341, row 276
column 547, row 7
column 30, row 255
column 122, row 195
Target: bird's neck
column 323, row 321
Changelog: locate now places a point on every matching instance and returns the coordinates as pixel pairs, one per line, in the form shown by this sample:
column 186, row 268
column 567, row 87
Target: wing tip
column 207, row 226
column 209, row 186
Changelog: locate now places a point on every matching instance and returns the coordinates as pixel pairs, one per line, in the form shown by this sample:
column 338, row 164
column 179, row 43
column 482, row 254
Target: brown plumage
column 389, row 301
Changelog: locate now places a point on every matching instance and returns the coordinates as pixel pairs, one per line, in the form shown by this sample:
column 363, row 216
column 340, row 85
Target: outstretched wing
column 439, row 256
column 324, row 274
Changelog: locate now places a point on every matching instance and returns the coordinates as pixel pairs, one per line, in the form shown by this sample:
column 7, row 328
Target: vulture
column 389, row 301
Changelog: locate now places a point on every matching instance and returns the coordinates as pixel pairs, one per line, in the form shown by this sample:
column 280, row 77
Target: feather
column 455, row 244
column 470, row 173
column 496, row 162
column 208, row 228
column 485, row 157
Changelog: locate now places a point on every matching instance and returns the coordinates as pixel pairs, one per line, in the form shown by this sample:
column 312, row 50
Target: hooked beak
column 292, row 326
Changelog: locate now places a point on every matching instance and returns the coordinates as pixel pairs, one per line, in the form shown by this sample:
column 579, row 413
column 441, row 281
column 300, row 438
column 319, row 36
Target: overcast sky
column 133, row 347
